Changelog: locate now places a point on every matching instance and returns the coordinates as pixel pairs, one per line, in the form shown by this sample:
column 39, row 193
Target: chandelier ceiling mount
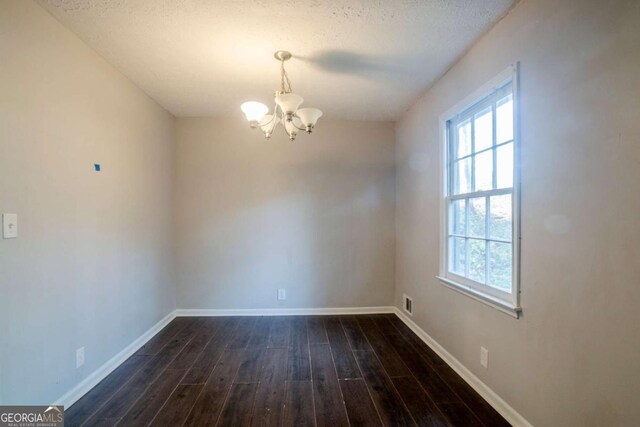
column 282, row 55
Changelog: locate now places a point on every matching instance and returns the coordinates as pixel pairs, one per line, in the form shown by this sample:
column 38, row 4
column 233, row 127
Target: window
column 480, row 199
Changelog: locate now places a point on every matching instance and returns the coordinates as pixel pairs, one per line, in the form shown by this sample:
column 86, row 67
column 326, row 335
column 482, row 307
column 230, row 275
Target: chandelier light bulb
column 254, row 111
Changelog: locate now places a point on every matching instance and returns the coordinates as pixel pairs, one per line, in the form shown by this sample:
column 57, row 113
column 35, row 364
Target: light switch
column 9, row 226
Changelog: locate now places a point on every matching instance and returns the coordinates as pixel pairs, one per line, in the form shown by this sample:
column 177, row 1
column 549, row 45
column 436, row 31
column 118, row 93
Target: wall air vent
column 407, row 304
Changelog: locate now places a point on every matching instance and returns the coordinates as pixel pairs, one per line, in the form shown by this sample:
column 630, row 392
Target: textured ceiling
column 358, row 59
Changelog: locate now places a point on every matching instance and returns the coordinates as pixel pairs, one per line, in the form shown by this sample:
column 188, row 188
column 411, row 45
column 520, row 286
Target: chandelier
column 286, row 110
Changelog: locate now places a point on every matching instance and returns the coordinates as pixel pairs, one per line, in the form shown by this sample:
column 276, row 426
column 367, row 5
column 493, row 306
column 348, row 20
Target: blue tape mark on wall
column 96, row 167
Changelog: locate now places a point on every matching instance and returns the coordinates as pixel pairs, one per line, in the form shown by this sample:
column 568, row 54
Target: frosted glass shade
column 254, row 111
column 289, row 102
column 291, row 126
column 309, row 116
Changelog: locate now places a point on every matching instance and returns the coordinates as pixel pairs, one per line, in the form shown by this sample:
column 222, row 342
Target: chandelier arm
column 272, row 119
column 294, row 125
column 276, row 117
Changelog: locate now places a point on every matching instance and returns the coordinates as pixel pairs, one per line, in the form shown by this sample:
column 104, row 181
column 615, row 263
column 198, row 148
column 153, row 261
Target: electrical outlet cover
column 9, row 226
column 484, row 357
column 79, row 357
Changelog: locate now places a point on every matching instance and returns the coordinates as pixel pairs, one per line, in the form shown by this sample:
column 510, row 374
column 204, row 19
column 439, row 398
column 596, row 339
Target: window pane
column 462, row 176
column 458, row 216
column 481, row 165
column 457, row 255
column 484, row 171
column 477, row 260
column 504, row 120
column 500, row 218
column 504, row 171
column 477, row 217
column 500, row 261
column 464, row 139
column 483, row 122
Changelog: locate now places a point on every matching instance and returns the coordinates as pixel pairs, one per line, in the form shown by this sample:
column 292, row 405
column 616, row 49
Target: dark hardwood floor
column 295, row 371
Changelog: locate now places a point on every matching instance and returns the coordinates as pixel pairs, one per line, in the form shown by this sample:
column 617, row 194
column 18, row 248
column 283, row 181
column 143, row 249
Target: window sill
column 500, row 305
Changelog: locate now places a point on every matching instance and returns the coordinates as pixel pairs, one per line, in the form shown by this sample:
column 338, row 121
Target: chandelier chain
column 285, row 84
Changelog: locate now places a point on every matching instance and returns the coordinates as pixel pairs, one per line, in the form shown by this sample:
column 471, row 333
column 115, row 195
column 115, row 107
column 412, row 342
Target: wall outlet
column 407, row 304
column 282, row 294
column 79, row 357
column 484, row 356
column 9, row 226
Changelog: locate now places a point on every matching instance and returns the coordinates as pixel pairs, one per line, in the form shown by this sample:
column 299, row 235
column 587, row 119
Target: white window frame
column 506, row 302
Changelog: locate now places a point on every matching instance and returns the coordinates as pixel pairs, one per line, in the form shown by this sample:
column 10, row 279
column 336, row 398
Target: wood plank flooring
column 368, row 370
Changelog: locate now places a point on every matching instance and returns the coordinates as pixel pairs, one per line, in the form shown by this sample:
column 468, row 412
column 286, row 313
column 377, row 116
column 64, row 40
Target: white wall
column 92, row 264
column 315, row 216
column 572, row 360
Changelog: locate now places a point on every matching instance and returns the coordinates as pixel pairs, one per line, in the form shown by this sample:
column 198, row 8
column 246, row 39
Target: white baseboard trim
column 283, row 311
column 73, row 395
column 510, row 414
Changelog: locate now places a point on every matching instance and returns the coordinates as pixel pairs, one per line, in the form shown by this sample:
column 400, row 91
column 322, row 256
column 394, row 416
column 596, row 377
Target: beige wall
column 573, row 359
column 315, row 217
column 92, row 264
